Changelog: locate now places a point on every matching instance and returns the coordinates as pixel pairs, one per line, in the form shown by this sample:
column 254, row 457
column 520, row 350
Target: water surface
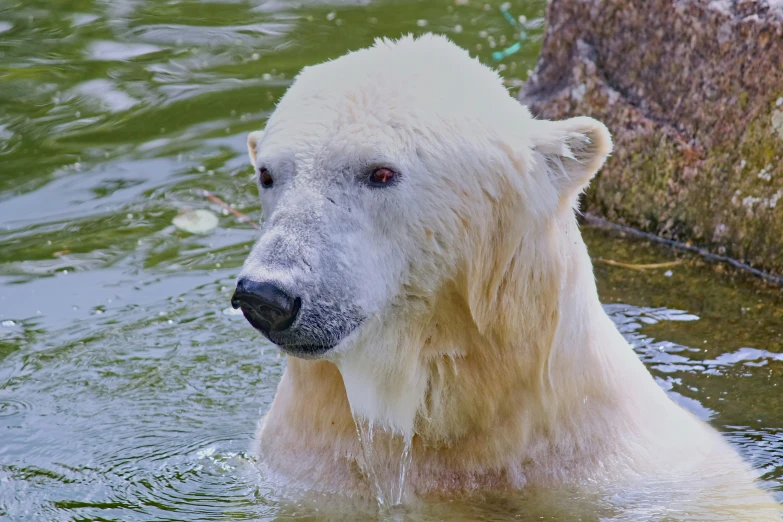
column 128, row 388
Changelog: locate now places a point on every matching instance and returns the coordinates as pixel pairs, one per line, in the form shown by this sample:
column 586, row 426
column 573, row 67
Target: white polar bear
column 422, row 265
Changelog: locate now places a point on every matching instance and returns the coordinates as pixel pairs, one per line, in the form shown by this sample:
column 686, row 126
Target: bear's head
column 400, row 185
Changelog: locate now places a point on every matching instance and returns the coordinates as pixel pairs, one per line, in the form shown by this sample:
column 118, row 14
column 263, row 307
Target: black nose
column 265, row 305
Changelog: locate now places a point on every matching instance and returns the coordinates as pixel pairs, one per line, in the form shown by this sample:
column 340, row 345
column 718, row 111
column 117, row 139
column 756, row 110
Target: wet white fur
column 485, row 340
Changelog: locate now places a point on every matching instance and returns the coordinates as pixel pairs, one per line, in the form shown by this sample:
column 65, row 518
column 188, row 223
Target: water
column 129, row 390
column 389, row 478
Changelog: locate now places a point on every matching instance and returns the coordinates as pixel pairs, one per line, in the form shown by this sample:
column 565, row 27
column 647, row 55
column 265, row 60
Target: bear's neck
column 482, row 405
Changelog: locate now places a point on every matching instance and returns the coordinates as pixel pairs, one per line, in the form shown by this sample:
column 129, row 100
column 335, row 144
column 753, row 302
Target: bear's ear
column 573, row 150
column 252, row 145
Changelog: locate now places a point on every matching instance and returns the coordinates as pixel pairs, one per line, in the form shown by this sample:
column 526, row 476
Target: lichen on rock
column 692, row 91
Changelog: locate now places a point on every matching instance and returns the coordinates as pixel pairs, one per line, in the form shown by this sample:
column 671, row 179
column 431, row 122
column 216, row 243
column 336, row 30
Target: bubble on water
column 422, row 23
column 255, row 56
column 668, row 273
column 457, row 28
column 201, row 168
column 8, row 324
column 331, row 16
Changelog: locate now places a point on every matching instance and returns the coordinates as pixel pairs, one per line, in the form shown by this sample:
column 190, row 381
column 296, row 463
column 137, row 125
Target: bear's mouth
column 305, row 351
column 306, row 337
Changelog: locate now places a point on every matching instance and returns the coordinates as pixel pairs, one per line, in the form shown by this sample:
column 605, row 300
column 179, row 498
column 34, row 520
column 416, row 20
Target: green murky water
column 128, row 389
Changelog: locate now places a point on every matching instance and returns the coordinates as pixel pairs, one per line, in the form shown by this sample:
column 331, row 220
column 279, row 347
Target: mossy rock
column 693, row 94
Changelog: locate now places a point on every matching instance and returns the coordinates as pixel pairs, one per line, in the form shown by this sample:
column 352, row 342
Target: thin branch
column 704, row 253
column 649, row 266
column 217, row 201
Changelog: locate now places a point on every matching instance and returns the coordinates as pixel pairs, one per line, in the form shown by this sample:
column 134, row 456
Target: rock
column 692, row 91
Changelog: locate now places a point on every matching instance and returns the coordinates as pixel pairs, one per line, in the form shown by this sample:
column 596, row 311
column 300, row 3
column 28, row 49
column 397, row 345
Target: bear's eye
column 381, row 177
column 265, row 178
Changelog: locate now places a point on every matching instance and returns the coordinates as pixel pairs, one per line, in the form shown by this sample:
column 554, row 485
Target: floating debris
column 227, row 208
column 196, row 221
column 522, row 35
column 650, row 266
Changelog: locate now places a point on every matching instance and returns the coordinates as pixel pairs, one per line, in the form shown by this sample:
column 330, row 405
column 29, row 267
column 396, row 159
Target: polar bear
column 421, row 266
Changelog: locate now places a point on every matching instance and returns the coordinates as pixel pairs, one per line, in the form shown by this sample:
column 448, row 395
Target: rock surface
column 692, row 91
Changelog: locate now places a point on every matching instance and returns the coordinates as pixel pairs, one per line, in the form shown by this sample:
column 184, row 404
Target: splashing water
column 387, row 472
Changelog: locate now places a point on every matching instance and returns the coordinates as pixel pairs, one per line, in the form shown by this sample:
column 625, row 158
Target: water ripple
column 13, row 407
